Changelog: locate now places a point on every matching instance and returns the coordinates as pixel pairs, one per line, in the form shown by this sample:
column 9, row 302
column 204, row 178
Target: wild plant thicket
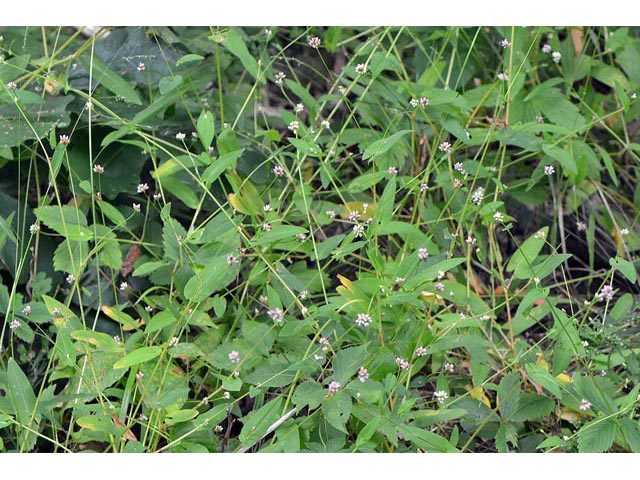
column 319, row 239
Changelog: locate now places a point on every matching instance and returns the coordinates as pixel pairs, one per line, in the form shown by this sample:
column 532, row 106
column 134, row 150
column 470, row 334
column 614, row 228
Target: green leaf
column 212, row 278
column 235, row 44
column 23, row 404
column 368, row 430
column 190, row 57
column 383, row 145
column 625, row 267
column 160, row 320
column 631, row 433
column 181, row 416
column 337, row 410
column 533, row 407
column 544, row 378
column 509, row 395
column 347, row 362
column 563, row 157
column 596, row 436
column 426, row 441
column 256, row 423
column 112, row 213
column 110, row 79
column 426, row 418
column 206, row 128
column 138, row 356
column 219, row 165
column 169, row 84
column 280, row 232
column 65, row 220
column 147, row 268
column 523, row 258
column 308, row 393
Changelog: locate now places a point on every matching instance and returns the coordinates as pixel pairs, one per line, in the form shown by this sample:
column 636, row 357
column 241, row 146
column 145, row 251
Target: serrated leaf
column 532, row 407
column 347, row 362
column 65, row 220
column 337, row 410
column 308, row 393
column 596, row 436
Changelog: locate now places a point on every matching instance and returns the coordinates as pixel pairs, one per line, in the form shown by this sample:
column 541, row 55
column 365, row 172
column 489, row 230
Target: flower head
column 546, row 48
column 232, row 260
column 503, row 76
column 606, row 293
column 136, row 207
column 361, row 69
column 12, row 85
column 276, row 314
column 498, row 217
column 420, row 351
column 363, row 319
column 402, row 363
column 142, row 187
column 298, row 108
column 445, row 147
column 423, row 253
column 314, row 42
column 392, row 170
column 124, row 286
column 174, row 341
column 549, row 170
column 180, row 136
column 26, row 310
column 478, row 196
column 363, row 374
column 556, row 56
column 358, row 230
column 99, row 169
column 334, row 387
column 585, row 405
column 71, row 278
column 234, row 356
column 14, row 324
column 278, row 171
column 141, row 67
column 440, row 396
column 280, row 76
column 64, row 139
column 34, row 228
column 504, row 43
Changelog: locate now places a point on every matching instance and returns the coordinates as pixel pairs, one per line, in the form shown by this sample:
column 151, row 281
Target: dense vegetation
column 319, row 239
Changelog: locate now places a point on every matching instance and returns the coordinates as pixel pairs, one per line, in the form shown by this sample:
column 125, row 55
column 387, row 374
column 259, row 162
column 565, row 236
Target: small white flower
column 139, row 376
column 363, row 374
column 71, row 278
column 358, row 230
column 440, row 396
column 232, row 260
column 539, row 119
column 361, row 69
column 503, row 76
column 549, row 170
column 423, row 101
column 585, row 405
column 546, row 48
column 354, row 216
column 136, row 207
column 26, row 310
column 585, row 343
column 325, row 343
column 440, row 274
column 606, row 293
column 478, row 196
column 64, row 139
column 330, row 214
column 556, row 56
column 34, row 228
column 280, row 76
column 314, row 42
column 413, row 102
column 634, row 95
column 278, row 171
column 303, row 294
column 141, row 67
column 423, row 253
column 99, row 169
column 448, row 367
column 267, row 207
column 445, row 147
column 142, row 187
column 301, row 237
column 334, row 386
column 581, row 226
column 148, row 309
column 439, row 286
column 234, row 356
column 12, row 85
column 540, row 235
column 174, row 341
column 180, row 136
column 325, row 124
column 624, row 231
column 226, row 395
column 124, row 286
column 471, row 240
column 363, row 320
column 498, row 217
column 504, row 43
column 458, row 167
column 424, row 187
column 402, row 363
column 275, row 314
column 157, row 196
column 14, row 324
column 117, row 339
column 298, row 108
column 392, row 170
column 420, row 351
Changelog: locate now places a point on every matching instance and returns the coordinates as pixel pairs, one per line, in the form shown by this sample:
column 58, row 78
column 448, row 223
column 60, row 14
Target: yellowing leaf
column 127, row 322
column 563, row 377
column 346, row 282
column 477, row 393
column 541, row 362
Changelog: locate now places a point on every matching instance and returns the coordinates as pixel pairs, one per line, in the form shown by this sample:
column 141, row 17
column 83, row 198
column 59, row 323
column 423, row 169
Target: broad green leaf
column 625, row 267
column 109, row 79
column 509, row 395
column 233, row 41
column 160, row 320
column 308, row 393
column 147, row 268
column 347, row 362
column 23, row 403
column 427, row 441
column 523, row 258
column 544, row 378
column 219, row 165
column 383, row 145
column 337, row 410
column 426, row 418
column 280, row 232
column 368, row 430
column 190, row 57
column 563, row 157
column 256, row 423
column 206, row 128
column 138, row 356
column 597, row 436
column 532, row 407
column 181, row 416
column 112, row 213
column 169, row 84
column 65, row 220
column 631, row 433
column 98, row 339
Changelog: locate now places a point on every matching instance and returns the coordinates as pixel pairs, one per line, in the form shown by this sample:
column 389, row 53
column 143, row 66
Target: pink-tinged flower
column 234, row 356
column 606, row 293
column 232, row 260
column 278, row 171
column 14, row 324
column 546, row 48
column 141, row 67
column 280, row 76
column 64, row 139
column 276, row 314
column 334, row 387
column 549, row 170
column 402, row 363
column 363, row 374
column 99, row 169
column 420, row 351
column 142, row 187
column 314, row 42
column 445, row 147
column 504, row 43
column 423, row 253
column 585, row 405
